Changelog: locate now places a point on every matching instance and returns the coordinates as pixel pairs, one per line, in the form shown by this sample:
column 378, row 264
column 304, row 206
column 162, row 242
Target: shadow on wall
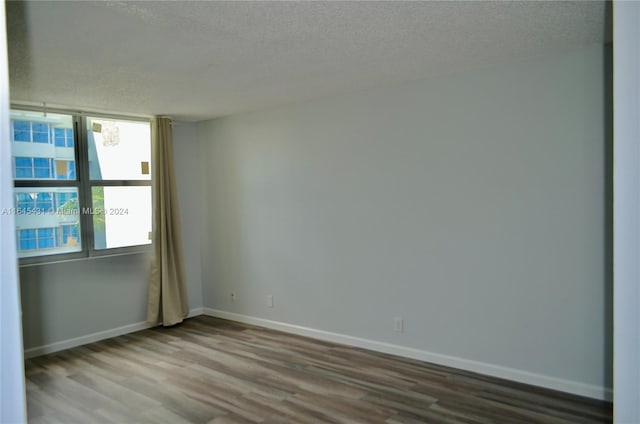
column 33, row 303
column 608, row 211
column 18, row 44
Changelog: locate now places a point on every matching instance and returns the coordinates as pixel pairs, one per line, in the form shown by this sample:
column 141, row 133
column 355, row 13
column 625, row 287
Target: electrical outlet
column 398, row 324
column 269, row 301
column 233, row 296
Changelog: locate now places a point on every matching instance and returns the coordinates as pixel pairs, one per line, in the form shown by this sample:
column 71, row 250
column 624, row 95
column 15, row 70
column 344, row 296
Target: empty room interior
column 367, row 211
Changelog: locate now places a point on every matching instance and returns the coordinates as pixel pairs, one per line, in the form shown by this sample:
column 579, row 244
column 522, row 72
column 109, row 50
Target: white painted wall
column 627, row 211
column 13, row 408
column 472, row 205
column 64, row 301
column 189, row 181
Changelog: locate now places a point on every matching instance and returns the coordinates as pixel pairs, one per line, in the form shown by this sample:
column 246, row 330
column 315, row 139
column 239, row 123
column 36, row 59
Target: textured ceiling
column 199, row 60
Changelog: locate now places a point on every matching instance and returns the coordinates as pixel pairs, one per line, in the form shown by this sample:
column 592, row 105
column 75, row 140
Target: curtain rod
column 46, row 107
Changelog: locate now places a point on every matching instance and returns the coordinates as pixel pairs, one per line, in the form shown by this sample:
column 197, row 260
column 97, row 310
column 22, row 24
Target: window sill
column 81, row 256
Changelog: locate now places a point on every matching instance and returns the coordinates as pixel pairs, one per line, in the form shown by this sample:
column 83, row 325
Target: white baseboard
column 581, row 389
column 95, row 337
column 568, row 386
column 195, row 312
column 82, row 340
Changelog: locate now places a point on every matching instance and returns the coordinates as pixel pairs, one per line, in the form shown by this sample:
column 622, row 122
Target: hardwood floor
column 208, row 370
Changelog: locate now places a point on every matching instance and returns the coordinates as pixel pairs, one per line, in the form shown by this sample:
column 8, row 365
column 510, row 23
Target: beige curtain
column 167, row 290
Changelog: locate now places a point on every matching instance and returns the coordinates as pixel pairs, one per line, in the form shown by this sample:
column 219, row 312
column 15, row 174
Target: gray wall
column 627, row 212
column 471, row 205
column 65, row 300
column 189, row 182
column 74, row 299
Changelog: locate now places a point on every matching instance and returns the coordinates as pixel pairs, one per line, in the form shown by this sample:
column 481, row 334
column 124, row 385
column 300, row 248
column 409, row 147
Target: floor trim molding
column 95, row 337
column 581, row 389
column 591, row 391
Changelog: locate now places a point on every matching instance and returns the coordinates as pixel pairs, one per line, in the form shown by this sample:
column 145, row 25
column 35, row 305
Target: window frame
column 84, row 184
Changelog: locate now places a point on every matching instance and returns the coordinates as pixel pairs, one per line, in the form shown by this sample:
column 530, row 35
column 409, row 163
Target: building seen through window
column 56, row 203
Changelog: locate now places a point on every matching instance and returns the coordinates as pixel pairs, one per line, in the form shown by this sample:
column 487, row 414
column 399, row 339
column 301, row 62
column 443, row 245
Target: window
column 120, row 180
column 31, row 131
column 82, row 185
column 66, row 199
column 63, row 137
column 65, row 170
column 69, row 234
column 23, row 167
column 38, row 168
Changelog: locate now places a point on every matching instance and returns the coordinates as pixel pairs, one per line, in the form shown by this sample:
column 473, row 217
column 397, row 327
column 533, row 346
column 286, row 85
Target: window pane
column 40, row 132
column 66, row 200
column 60, row 137
column 22, row 126
column 47, row 220
column 22, row 136
column 121, row 216
column 21, row 131
column 44, row 139
column 119, row 150
column 45, row 238
column 25, row 202
column 63, row 137
column 69, row 234
column 23, row 167
column 69, row 137
column 27, row 239
column 42, row 168
column 44, row 202
column 23, row 162
column 65, row 170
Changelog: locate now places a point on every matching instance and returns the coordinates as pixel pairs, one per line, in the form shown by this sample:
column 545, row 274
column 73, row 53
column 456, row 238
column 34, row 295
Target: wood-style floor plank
column 212, row 371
